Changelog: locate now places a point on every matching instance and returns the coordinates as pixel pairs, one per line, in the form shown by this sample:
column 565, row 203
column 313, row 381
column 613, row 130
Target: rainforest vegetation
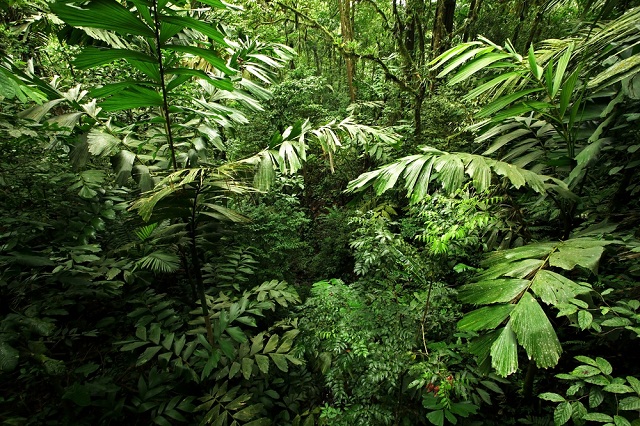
column 305, row 212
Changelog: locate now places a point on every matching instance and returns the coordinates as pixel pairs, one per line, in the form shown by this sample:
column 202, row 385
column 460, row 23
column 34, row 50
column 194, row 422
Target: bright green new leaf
column 477, row 65
column 563, row 62
column 208, row 55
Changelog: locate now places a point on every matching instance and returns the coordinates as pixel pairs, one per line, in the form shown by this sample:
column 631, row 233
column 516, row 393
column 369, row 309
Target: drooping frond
column 450, row 169
column 510, row 290
column 160, row 261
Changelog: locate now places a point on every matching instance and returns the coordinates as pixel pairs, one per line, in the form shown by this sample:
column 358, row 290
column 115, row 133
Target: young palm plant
column 547, row 119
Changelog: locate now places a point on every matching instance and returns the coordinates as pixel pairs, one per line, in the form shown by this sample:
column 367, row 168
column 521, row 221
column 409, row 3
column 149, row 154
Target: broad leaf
column 492, row 291
column 535, row 332
column 92, row 14
column 485, row 318
column 504, row 352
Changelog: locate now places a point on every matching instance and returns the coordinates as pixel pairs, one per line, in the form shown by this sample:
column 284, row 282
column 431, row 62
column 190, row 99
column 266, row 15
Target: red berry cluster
column 431, row 388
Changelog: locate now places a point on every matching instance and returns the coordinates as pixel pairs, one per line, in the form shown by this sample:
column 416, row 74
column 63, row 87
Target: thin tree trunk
column 443, row 25
column 346, row 27
column 521, row 16
column 534, row 27
column 195, row 260
column 474, row 10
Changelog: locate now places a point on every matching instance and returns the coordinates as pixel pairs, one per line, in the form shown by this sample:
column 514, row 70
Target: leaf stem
column 165, row 105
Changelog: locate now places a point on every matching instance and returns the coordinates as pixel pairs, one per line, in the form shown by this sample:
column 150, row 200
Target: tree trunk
column 474, row 10
column 443, row 25
column 534, row 26
column 346, row 27
column 521, row 16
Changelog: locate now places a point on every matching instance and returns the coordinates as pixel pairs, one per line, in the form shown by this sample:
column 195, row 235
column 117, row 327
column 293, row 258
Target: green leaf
column 200, row 26
column 480, row 173
column 553, row 288
column 272, row 344
column 562, row 413
column 504, row 352
column 504, row 101
column 604, row 365
column 598, row 417
column 436, row 417
column 492, row 291
column 263, row 363
column 207, row 55
column 477, row 65
column 595, row 397
column 629, row 403
column 248, row 413
column 134, row 97
column 488, row 317
column 123, row 165
column 617, row 388
column 91, row 57
column 92, row 14
column 597, row 380
column 220, row 83
column 9, row 357
column 147, row 355
column 616, row 322
column 561, row 68
column 578, row 411
column 620, row 421
column 586, row 360
column 585, row 371
column 78, row 394
column 101, row 143
column 584, row 320
column 154, row 333
column 446, row 56
column 267, row 422
column 463, row 58
column 492, row 386
column 635, row 383
column 247, row 367
column 616, row 72
column 535, row 69
column 451, row 171
column 583, row 252
column 535, row 332
column 236, row 334
column 280, row 361
column 490, row 85
column 553, row 397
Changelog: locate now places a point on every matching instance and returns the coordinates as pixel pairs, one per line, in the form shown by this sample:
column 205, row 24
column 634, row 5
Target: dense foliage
column 315, row 213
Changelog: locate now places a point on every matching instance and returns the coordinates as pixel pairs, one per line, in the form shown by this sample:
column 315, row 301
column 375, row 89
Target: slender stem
column 165, row 105
column 196, row 266
column 527, row 387
column 424, row 317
